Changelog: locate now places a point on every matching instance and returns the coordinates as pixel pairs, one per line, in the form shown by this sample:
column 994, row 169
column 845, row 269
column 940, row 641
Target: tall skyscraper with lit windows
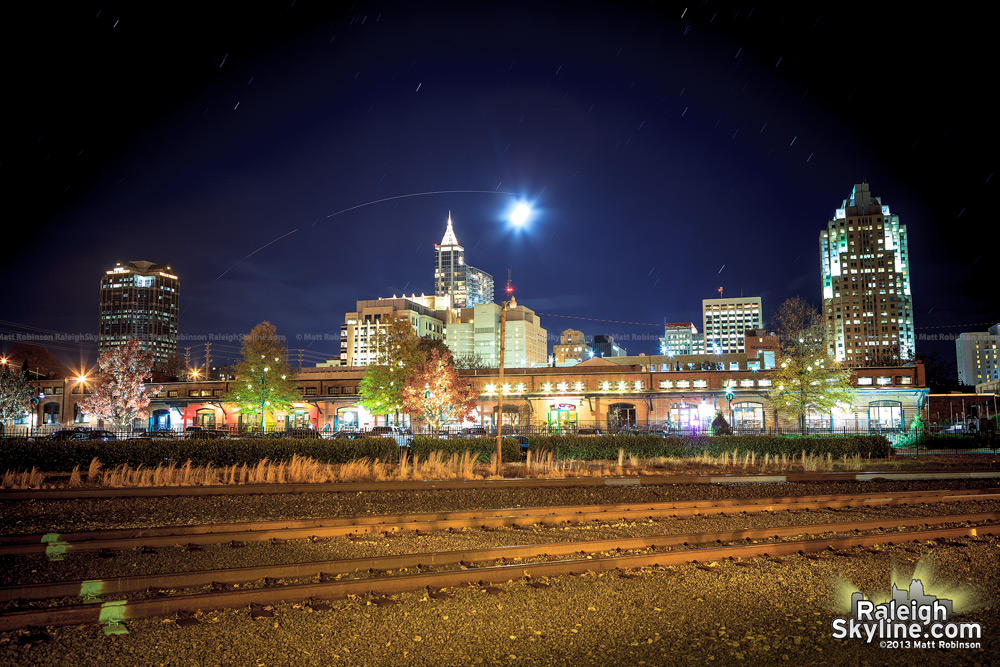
column 726, row 321
column 466, row 285
column 140, row 300
column 865, row 268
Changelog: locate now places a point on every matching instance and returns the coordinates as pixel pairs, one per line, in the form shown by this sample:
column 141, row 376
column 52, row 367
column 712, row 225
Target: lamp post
column 729, row 398
column 510, row 303
column 80, row 379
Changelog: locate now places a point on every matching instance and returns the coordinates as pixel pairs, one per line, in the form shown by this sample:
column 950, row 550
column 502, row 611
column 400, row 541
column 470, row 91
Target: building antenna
column 510, row 288
column 720, row 292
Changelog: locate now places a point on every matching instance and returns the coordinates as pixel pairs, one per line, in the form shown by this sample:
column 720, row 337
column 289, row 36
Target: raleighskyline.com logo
column 910, row 619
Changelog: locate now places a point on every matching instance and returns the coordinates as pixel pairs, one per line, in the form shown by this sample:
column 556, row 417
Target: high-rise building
column 476, row 337
column 605, row 346
column 726, row 322
column 867, row 306
column 977, row 356
column 426, row 316
column 466, row 285
column 572, row 348
column 681, row 338
column 140, row 300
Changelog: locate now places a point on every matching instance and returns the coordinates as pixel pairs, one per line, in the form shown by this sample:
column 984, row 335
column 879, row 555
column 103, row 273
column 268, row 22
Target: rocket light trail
column 255, row 252
column 423, row 194
column 376, row 201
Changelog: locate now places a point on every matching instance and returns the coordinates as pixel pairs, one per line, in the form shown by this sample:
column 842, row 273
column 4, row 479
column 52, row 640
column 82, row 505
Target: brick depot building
column 686, row 391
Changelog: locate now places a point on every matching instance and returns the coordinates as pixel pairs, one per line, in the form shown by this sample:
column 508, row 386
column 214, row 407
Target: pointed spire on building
column 449, row 234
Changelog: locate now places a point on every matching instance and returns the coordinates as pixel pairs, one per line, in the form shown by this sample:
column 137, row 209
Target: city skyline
column 668, row 152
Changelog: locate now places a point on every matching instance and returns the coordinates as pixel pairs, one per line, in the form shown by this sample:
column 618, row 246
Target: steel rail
column 248, row 526
column 195, row 579
column 508, row 483
column 125, row 610
column 57, row 543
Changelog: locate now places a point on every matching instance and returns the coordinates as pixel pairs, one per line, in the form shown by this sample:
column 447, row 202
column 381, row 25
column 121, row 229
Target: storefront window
column 50, row 413
column 562, row 417
column 748, row 415
column 205, row 418
column 621, row 415
column 885, row 415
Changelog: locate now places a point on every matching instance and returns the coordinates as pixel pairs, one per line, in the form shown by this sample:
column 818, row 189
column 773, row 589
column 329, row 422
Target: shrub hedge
column 948, row 441
column 484, row 448
column 56, row 456
column 21, row 454
column 648, row 446
column 63, row 455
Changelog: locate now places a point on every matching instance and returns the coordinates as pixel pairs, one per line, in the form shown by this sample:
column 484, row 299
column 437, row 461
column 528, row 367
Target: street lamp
column 729, row 398
column 510, row 303
column 80, row 379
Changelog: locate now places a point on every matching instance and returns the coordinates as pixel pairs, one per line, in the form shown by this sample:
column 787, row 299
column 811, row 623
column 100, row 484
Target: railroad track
column 112, row 613
column 57, row 545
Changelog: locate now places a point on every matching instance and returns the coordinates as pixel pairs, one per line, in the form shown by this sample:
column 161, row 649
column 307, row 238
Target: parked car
column 474, row 432
column 204, row 433
column 156, row 434
column 68, row 434
column 348, row 435
column 589, row 431
column 81, row 434
column 402, row 439
column 296, row 433
column 450, row 431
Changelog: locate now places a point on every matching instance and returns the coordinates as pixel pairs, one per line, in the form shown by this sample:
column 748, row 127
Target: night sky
column 670, row 149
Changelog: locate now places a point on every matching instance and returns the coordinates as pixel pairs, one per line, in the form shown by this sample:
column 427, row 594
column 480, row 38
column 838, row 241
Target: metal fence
column 932, row 439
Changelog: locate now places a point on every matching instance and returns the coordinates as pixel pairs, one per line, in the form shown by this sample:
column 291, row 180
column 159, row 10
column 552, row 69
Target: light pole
column 80, row 379
column 510, row 303
column 729, row 398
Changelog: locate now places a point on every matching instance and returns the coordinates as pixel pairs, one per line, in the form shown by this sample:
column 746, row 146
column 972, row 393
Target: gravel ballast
column 44, row 516
column 769, row 614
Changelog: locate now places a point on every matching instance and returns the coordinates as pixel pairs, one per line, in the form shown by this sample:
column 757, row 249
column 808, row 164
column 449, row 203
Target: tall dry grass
column 29, row 479
column 437, row 465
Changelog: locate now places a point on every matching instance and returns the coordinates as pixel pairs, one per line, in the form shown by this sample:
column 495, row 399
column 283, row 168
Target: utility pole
column 208, row 359
column 510, row 303
column 300, row 359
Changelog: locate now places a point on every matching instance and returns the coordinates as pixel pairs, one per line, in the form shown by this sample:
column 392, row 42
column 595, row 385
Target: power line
column 597, row 319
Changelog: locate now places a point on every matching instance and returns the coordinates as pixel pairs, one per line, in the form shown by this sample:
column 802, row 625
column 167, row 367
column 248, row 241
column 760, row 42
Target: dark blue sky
column 660, row 141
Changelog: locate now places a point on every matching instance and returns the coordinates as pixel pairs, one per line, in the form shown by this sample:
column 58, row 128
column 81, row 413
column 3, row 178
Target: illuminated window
column 666, row 384
column 683, row 384
column 700, row 384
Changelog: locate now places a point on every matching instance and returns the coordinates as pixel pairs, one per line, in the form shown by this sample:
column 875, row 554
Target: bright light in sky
column 520, row 215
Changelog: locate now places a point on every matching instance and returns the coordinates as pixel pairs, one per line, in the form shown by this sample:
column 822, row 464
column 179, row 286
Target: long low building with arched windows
column 683, row 393
column 598, row 393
